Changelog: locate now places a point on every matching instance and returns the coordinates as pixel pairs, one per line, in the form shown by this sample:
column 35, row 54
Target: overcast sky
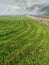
column 11, row 6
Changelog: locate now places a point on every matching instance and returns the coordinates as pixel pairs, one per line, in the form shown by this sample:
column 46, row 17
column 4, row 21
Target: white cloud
column 14, row 5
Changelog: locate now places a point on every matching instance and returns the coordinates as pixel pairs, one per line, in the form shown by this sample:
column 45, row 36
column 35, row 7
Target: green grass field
column 23, row 41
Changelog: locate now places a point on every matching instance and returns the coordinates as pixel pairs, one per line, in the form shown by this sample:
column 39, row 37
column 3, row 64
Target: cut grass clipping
column 23, row 41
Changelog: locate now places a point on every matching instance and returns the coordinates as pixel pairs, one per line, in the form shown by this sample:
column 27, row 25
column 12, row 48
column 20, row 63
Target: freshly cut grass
column 23, row 41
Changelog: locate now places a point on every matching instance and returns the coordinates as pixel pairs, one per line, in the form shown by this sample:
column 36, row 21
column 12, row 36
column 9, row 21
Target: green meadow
column 45, row 15
column 23, row 41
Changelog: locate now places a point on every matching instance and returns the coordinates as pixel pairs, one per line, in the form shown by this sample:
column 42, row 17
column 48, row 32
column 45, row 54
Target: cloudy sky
column 20, row 6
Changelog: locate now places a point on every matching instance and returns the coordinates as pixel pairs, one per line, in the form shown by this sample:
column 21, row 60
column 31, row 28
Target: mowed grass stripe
column 15, row 31
column 22, row 47
column 21, row 31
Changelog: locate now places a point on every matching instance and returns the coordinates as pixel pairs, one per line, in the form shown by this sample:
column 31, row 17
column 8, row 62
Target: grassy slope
column 46, row 15
column 23, row 41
